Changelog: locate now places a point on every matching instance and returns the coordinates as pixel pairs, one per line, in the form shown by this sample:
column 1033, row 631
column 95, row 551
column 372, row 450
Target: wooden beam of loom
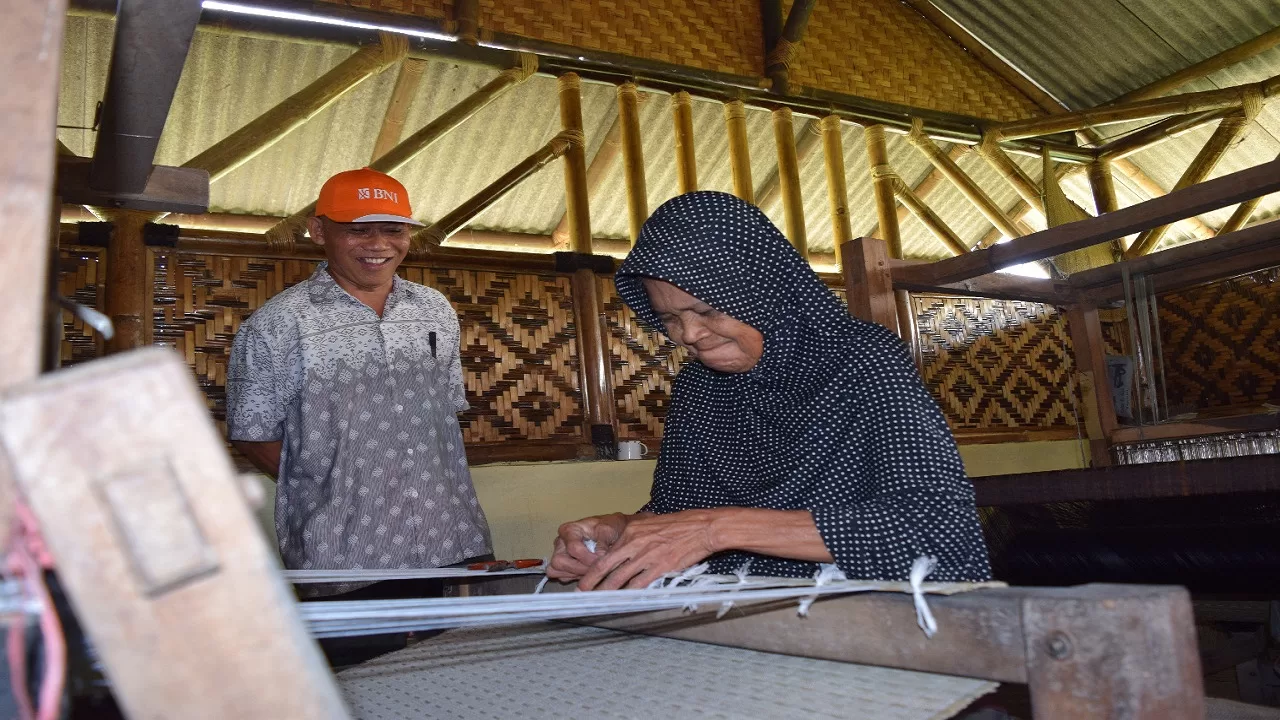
column 1090, row 651
column 398, row 105
column 1218, row 258
column 1185, row 104
column 290, row 229
column 1206, row 196
column 291, row 113
column 1252, row 473
column 597, row 170
column 436, row 233
column 1224, row 59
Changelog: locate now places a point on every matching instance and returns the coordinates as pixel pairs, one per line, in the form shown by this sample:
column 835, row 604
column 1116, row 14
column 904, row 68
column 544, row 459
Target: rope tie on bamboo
column 884, row 171
column 284, row 234
column 782, row 54
column 395, row 47
column 528, row 66
column 572, row 137
column 1251, row 102
column 917, row 135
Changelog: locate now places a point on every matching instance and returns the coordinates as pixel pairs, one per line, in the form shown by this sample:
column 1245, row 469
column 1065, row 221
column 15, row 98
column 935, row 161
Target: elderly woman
column 797, row 434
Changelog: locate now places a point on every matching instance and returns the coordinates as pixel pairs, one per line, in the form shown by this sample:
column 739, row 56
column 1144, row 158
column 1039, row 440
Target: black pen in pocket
column 431, row 338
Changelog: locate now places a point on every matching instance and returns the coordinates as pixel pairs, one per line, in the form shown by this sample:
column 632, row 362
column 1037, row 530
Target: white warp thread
column 741, row 573
column 591, row 545
column 826, row 573
column 920, row 569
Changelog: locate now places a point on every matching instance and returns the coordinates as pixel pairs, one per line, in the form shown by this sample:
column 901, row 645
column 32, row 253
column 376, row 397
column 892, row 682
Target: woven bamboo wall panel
column 644, row 365
column 519, row 353
column 721, row 35
column 884, row 49
column 1221, row 342
column 995, row 364
column 80, row 278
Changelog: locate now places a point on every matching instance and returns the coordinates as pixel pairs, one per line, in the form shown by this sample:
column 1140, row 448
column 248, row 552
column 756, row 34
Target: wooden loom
column 152, row 533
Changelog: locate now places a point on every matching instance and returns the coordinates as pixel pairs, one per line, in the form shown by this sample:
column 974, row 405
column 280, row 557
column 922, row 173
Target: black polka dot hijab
column 833, row 419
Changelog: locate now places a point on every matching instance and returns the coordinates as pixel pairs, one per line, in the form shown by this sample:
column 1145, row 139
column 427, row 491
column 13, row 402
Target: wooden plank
column 1225, row 256
column 868, row 282
column 1254, row 473
column 999, row 286
column 1128, row 651
column 158, row 547
column 182, row 190
column 1210, row 195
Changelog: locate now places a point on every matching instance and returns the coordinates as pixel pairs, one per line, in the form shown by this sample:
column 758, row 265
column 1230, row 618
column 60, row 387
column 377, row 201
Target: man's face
column 717, row 340
column 364, row 255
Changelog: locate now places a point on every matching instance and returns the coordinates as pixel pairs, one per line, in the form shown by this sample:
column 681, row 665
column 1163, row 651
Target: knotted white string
column 920, row 569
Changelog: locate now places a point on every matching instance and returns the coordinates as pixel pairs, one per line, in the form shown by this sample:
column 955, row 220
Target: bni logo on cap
column 377, row 194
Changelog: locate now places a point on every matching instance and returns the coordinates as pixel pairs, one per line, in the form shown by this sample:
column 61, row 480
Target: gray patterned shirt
column 373, row 474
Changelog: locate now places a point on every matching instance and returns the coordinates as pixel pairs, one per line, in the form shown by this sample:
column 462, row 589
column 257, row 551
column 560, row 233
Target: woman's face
column 718, row 341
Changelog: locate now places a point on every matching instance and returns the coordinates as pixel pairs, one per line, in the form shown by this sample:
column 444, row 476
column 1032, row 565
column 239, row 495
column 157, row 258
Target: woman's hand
column 571, row 559
column 649, row 546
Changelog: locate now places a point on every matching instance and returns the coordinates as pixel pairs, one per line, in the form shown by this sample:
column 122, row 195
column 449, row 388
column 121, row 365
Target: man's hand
column 571, row 558
column 651, row 546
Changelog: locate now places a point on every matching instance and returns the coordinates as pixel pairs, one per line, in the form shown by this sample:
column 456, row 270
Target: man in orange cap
column 346, row 387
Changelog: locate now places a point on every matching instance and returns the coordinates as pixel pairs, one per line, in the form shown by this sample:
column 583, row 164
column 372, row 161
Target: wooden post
column 597, row 170
column 686, row 160
column 735, row 122
column 789, row 179
column 407, row 81
column 126, row 276
column 965, row 184
column 837, row 190
column 1203, row 164
column 575, row 165
column 1104, row 189
column 633, row 159
column 599, row 405
column 1093, row 381
column 868, row 281
column 261, row 133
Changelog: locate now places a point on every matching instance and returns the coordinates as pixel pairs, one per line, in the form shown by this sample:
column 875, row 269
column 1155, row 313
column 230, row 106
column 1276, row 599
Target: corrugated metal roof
column 1087, row 52
column 228, row 80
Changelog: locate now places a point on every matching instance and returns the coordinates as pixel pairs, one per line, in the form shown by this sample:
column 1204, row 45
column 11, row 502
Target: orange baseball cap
column 364, row 195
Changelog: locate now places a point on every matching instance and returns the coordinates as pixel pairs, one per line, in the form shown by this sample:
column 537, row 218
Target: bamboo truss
column 576, row 203
column 789, row 179
column 407, row 81
column 605, row 158
column 965, row 184
column 632, row 159
column 735, row 121
column 837, row 190
column 686, row 159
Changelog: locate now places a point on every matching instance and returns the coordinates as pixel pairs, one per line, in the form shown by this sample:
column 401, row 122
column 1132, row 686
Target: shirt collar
column 323, row 289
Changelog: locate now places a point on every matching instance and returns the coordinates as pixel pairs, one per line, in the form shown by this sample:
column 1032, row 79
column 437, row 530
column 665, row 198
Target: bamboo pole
column 989, row 149
column 466, row 13
column 262, row 132
column 1224, row 59
column 926, row 186
column 735, row 121
column 882, row 176
column 287, row 231
column 407, row 81
column 1153, row 190
column 597, row 171
column 929, row 218
column 126, row 273
column 959, row 178
column 1240, row 217
column 789, row 179
column 810, row 140
column 633, row 159
column 1197, row 102
column 1156, row 133
column 686, row 160
column 1203, row 164
column 779, row 57
column 837, row 190
column 1104, row 188
column 576, row 203
column 436, row 233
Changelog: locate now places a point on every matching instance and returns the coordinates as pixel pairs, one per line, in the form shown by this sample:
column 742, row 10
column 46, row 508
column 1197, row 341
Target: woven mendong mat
column 548, row 670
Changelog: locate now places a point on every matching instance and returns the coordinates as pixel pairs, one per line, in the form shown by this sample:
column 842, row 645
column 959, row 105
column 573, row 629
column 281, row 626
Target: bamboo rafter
column 960, row 179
